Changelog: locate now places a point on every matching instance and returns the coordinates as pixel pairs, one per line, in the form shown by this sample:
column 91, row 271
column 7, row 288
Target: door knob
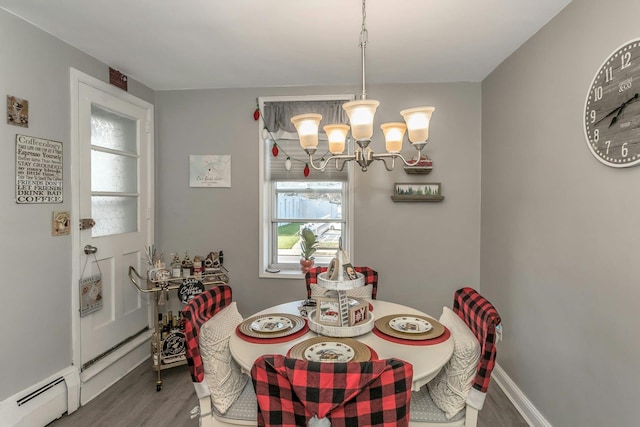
column 88, row 249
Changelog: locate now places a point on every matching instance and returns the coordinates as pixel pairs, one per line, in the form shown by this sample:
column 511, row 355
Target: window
column 288, row 199
column 114, row 173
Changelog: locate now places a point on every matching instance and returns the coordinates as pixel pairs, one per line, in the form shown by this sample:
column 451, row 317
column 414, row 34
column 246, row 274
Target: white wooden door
column 114, row 190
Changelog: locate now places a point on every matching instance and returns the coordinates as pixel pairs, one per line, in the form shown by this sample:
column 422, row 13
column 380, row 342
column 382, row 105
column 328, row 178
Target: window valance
column 277, row 115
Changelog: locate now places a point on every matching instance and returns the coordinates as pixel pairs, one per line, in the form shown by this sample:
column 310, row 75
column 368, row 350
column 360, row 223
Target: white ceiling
column 194, row 44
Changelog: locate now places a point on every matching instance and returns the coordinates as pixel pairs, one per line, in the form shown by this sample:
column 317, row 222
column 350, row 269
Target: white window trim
column 265, row 199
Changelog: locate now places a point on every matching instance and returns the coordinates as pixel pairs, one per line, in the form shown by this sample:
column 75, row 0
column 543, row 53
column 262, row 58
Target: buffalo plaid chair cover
column 196, row 313
column 370, row 278
column 292, row 392
column 482, row 318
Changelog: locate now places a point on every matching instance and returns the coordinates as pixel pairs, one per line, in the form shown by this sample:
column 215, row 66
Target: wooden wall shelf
column 397, row 198
column 422, row 170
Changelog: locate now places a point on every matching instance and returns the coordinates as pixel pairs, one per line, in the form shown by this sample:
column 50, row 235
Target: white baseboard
column 43, row 402
column 529, row 412
column 106, row 372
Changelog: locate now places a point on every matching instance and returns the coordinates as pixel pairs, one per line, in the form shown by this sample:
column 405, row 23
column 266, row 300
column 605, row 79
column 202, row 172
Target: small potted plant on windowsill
column 308, row 246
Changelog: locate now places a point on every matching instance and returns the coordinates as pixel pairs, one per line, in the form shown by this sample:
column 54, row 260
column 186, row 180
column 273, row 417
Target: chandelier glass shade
column 361, row 113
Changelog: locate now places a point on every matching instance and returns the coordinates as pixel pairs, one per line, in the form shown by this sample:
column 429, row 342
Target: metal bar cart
column 174, row 342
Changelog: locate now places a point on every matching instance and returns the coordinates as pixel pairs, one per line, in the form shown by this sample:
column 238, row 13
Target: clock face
column 612, row 109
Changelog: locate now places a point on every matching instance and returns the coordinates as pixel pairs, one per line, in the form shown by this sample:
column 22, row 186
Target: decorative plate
column 296, row 323
column 331, row 350
column 382, row 324
column 271, row 324
column 410, row 325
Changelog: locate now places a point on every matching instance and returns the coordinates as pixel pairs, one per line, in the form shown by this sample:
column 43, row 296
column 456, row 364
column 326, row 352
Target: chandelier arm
column 340, row 167
column 323, row 163
column 394, row 155
column 383, row 159
column 419, row 148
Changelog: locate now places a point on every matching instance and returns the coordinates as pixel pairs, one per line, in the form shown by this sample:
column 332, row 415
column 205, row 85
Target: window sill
column 283, row 274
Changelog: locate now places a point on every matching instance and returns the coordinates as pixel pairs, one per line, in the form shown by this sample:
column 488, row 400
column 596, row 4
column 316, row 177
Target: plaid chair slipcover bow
column 370, row 278
column 196, row 313
column 482, row 318
column 292, row 391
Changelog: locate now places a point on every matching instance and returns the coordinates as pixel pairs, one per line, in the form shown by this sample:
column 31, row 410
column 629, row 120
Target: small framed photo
column 332, row 270
column 350, row 272
column 17, row 111
column 328, row 311
column 417, row 192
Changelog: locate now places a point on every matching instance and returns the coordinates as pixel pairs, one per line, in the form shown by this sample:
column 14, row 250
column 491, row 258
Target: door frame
column 77, row 255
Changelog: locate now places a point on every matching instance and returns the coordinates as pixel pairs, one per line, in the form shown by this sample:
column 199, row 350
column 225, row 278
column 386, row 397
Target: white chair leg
column 471, row 417
column 206, row 416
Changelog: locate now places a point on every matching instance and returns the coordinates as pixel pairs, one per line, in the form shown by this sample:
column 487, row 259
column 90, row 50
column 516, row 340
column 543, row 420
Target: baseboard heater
column 44, row 402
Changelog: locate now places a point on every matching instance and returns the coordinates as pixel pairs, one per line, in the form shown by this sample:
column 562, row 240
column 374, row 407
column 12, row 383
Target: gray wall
column 423, row 251
column 559, row 229
column 36, row 267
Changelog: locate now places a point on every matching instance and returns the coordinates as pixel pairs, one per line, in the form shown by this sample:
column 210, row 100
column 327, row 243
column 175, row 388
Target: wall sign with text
column 38, row 170
column 210, row 171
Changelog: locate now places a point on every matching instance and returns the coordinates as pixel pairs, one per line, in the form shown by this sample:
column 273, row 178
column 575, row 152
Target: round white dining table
column 427, row 360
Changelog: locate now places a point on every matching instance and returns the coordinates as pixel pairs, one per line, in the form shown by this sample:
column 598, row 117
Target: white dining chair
column 210, row 318
column 472, row 317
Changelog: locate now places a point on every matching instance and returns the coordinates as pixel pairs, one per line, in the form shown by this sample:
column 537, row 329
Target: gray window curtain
column 277, row 118
column 277, row 115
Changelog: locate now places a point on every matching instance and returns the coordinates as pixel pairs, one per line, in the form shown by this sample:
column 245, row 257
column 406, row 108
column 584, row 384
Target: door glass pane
column 113, row 172
column 114, row 215
column 110, row 130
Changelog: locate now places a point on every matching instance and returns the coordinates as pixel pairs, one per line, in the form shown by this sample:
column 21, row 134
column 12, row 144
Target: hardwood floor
column 133, row 401
column 498, row 411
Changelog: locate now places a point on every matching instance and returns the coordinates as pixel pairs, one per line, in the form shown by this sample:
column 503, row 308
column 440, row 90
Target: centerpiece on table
column 336, row 313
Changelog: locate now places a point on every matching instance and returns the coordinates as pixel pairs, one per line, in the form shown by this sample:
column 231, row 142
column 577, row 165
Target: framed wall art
column 38, row 170
column 417, row 192
column 210, row 171
column 90, row 294
column 61, row 223
column 17, row 111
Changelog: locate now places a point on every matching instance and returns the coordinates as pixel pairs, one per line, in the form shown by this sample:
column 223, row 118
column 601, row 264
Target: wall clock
column 612, row 108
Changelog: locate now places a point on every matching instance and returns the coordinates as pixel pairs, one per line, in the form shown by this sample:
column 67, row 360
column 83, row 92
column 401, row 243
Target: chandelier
column 361, row 113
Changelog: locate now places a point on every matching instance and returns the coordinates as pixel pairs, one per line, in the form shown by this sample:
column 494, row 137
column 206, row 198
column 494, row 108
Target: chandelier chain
column 364, row 34
column 364, row 38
